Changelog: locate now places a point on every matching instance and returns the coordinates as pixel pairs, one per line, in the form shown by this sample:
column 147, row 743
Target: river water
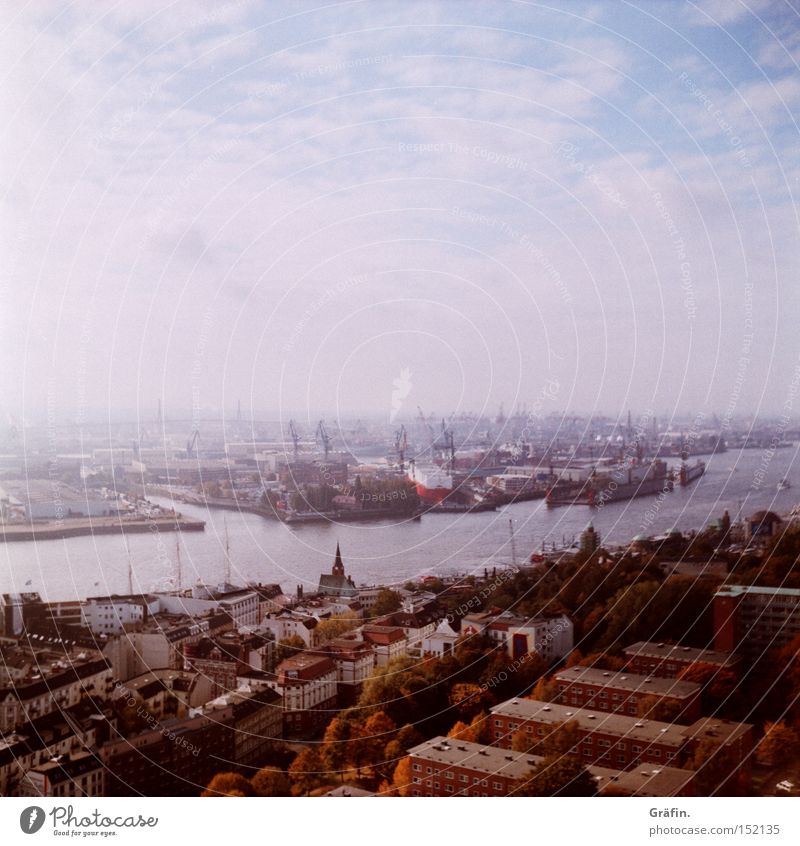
column 384, row 552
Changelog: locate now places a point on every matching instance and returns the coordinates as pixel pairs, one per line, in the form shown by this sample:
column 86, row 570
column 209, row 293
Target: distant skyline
column 360, row 208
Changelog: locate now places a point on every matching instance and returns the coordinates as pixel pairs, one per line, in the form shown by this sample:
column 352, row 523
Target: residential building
column 751, row 620
column 668, row 660
column 308, row 684
column 166, row 692
column 442, row 641
column 354, row 659
column 549, row 636
column 622, row 742
column 223, row 657
column 388, row 642
column 35, row 681
column 111, row 615
column 446, row 767
column 65, row 776
column 287, row 623
column 624, row 693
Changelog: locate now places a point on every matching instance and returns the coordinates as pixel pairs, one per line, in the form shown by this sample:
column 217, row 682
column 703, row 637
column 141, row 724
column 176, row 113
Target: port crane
column 191, row 444
column 400, row 445
column 295, row 436
column 323, row 438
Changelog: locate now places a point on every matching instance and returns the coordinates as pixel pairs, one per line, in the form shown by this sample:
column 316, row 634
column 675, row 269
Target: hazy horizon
column 361, row 208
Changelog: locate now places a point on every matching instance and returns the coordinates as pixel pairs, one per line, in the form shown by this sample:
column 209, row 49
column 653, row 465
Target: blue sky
column 292, row 203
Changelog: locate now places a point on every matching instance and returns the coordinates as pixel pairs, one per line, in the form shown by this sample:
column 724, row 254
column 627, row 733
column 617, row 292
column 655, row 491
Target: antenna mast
column 227, row 554
column 178, row 560
column 130, row 568
column 513, row 544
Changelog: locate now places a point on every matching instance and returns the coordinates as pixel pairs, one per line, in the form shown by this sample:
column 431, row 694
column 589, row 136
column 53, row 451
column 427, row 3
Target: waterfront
column 387, row 551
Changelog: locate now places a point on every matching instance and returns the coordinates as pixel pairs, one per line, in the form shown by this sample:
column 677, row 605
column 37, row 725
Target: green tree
column 271, row 781
column 336, row 626
column 387, row 602
column 289, row 647
column 556, row 775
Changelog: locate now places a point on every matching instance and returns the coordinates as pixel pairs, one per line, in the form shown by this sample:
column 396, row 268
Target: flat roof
column 644, row 780
column 648, row 731
column 629, row 681
column 739, row 590
column 650, row 649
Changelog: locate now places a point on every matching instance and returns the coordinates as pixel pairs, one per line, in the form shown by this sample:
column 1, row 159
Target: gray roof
column 648, row 731
column 629, row 681
column 649, row 649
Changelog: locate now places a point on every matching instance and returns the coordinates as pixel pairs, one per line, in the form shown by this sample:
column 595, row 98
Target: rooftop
column 648, row 731
column 740, row 590
column 629, row 681
column 648, row 649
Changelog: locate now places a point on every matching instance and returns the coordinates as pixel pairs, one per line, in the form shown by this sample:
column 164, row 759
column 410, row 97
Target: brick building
column 750, row 619
column 623, row 693
column 621, row 742
column 667, row 660
column 446, row 767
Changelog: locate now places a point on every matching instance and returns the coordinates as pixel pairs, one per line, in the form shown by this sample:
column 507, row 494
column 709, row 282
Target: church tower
column 338, row 567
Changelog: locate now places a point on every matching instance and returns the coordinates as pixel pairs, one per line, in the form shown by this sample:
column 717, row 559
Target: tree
column 335, row 748
column 714, row 764
column 470, row 699
column 336, row 626
column 228, row 784
column 375, row 735
column 307, row 772
column 461, row 731
column 289, row 647
column 719, row 687
column 556, row 775
column 386, row 602
column 780, row 744
column 401, row 780
column 659, row 708
column 271, row 781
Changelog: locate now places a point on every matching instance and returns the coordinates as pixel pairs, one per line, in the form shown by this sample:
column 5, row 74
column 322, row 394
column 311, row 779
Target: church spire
column 338, row 566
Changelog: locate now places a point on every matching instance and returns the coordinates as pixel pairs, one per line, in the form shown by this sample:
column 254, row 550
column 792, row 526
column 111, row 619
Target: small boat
column 784, row 484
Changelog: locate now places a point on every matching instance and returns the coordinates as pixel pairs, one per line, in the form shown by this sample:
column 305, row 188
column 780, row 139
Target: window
column 417, row 768
column 498, row 722
column 621, row 759
column 656, row 753
column 497, row 785
column 475, row 780
column 428, row 769
column 637, row 749
column 449, row 774
column 463, row 779
column 448, row 788
column 416, row 780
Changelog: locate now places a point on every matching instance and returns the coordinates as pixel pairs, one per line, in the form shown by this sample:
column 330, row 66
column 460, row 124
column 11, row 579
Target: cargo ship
column 433, row 484
column 616, row 484
column 688, row 474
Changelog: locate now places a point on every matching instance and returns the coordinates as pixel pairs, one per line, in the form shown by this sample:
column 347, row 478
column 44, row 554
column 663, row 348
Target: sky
column 366, row 207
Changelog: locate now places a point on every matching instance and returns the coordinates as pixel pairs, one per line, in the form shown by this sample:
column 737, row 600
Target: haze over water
column 385, row 552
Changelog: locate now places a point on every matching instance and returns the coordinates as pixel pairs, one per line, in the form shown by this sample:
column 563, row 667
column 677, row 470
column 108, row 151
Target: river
column 384, row 552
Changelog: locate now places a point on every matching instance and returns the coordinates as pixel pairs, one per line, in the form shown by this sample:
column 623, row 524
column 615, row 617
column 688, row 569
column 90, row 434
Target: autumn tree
column 659, row 708
column 556, row 775
column 335, row 746
column 401, row 780
column 545, row 690
column 270, row 781
column 470, row 699
column 781, row 743
column 714, row 764
column 228, row 784
column 307, row 772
